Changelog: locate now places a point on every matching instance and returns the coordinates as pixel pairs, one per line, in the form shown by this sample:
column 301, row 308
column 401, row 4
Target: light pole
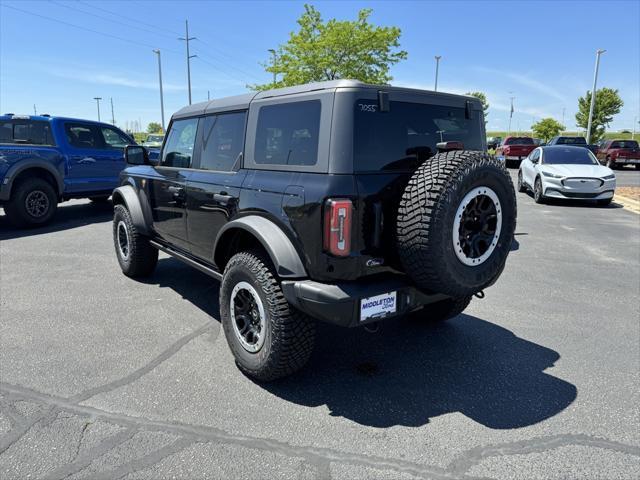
column 593, row 94
column 510, row 115
column 187, row 39
column 97, row 99
column 563, row 109
column 437, row 57
column 275, row 59
column 157, row 52
column 633, row 132
column 113, row 117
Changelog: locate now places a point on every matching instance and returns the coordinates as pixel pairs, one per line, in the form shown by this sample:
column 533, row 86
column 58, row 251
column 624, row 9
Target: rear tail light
column 505, row 150
column 337, row 227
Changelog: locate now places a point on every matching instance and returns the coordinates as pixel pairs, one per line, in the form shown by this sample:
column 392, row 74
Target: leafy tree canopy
column 608, row 104
column 547, row 128
column 335, row 49
column 485, row 104
column 154, row 127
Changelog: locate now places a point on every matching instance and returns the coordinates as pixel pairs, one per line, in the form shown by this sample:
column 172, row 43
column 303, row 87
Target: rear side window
column 408, row 133
column 287, row 134
column 83, row 135
column 114, row 139
column 178, row 148
column 26, row 133
column 222, row 141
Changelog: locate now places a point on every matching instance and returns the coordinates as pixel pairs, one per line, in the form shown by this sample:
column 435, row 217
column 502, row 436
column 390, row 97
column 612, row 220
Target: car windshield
column 568, row 156
column 571, row 141
column 625, row 144
column 154, row 138
column 519, row 141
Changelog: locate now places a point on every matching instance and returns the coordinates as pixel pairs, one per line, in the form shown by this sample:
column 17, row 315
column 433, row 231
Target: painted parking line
column 628, row 203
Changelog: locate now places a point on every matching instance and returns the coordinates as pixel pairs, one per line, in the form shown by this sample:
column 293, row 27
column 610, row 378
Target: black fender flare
column 127, row 195
column 276, row 243
column 23, row 165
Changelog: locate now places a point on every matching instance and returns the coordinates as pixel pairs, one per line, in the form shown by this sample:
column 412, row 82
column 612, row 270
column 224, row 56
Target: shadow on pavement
column 67, row 217
column 408, row 373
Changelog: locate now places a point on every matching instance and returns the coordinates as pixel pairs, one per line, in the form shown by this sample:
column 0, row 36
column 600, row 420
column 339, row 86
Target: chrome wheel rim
column 247, row 317
column 477, row 226
column 122, row 236
column 37, row 203
column 537, row 190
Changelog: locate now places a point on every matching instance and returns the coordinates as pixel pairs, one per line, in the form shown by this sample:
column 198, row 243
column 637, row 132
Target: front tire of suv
column 268, row 338
column 441, row 311
column 33, row 203
column 136, row 256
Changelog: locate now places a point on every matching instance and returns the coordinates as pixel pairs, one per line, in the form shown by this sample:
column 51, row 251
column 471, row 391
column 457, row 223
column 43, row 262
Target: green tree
column 485, row 104
column 335, row 49
column 608, row 103
column 154, row 127
column 547, row 128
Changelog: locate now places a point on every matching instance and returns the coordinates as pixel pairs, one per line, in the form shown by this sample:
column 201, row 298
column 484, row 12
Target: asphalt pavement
column 102, row 376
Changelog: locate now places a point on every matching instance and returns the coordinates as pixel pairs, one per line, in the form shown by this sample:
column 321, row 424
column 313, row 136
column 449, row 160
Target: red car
column 618, row 153
column 514, row 149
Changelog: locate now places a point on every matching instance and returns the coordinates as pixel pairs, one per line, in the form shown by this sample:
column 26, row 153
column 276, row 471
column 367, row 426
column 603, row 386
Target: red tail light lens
column 505, row 150
column 337, row 227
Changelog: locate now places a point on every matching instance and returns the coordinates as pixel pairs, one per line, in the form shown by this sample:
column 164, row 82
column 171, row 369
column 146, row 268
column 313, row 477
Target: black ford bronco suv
column 336, row 201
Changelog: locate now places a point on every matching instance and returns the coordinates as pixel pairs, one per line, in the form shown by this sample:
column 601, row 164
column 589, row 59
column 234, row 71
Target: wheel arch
column 126, row 195
column 256, row 231
column 40, row 169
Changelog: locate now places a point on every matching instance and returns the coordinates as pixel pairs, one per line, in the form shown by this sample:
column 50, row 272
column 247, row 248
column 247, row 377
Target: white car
column 563, row 171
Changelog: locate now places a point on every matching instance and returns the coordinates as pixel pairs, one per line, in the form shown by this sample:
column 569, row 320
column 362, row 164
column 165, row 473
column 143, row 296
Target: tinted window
column 625, row 144
column 568, row 156
column 28, row 133
column 287, row 134
column 571, row 141
column 114, row 139
column 178, row 148
column 83, row 135
column 519, row 141
column 407, row 134
column 222, row 140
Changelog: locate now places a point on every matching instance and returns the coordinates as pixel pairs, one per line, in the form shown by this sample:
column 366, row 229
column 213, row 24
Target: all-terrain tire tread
column 143, row 257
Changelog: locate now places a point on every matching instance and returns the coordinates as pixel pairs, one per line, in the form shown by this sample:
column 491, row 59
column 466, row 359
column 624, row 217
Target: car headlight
column 551, row 175
column 609, row 177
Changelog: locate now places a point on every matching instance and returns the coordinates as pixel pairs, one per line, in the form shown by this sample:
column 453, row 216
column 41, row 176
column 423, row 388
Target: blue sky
column 541, row 51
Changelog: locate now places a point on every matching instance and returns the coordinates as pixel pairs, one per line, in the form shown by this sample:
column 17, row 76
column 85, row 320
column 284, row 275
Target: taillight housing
column 338, row 214
column 505, row 150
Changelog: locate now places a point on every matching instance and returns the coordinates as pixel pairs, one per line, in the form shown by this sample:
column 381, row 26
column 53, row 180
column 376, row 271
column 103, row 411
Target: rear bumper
column 340, row 303
column 627, row 161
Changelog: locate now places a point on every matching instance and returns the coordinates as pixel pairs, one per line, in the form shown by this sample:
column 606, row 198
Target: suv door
column 167, row 189
column 213, row 189
column 90, row 162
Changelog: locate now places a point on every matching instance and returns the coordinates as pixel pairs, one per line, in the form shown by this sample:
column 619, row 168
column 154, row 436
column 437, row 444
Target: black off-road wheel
column 268, row 338
column 441, row 311
column 455, row 223
column 33, row 203
column 136, row 256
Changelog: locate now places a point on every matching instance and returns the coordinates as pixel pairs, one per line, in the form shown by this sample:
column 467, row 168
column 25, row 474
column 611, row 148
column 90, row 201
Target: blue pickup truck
column 45, row 160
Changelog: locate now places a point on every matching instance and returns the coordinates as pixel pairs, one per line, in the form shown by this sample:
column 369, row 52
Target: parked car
column 493, row 142
column 566, row 172
column 539, row 142
column 577, row 141
column 514, row 149
column 153, row 140
column 336, row 201
column 46, row 160
column 618, row 153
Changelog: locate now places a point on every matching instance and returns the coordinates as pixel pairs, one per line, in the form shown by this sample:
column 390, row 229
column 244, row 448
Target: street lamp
column 97, row 99
column 275, row 59
column 157, row 52
column 510, row 115
column 593, row 94
column 437, row 57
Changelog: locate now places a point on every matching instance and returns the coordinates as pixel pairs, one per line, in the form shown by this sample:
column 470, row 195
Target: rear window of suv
column 407, row 134
column 20, row 132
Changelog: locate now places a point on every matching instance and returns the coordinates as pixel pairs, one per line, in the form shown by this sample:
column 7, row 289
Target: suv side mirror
column 136, row 155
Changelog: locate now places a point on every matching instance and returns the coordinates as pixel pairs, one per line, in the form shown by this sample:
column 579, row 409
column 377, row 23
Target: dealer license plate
column 378, row 306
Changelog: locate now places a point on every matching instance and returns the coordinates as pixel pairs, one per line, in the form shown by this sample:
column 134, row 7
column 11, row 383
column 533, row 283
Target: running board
column 189, row 261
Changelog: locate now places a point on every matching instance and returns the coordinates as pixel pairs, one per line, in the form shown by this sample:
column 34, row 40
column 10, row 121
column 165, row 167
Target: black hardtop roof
column 241, row 102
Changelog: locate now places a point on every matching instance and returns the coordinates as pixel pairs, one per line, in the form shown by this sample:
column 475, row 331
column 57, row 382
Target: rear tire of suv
column 136, row 256
column 268, row 338
column 33, row 203
column 456, row 222
column 442, row 310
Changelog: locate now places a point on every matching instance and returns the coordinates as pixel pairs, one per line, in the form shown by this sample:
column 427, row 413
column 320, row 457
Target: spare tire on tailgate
column 455, row 223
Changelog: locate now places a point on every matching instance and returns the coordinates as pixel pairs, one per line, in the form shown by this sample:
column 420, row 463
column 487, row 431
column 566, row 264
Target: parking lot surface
column 102, row 376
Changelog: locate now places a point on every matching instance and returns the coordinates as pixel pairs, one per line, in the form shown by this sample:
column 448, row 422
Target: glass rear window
column 25, row 133
column 519, row 141
column 625, row 144
column 407, row 134
column 571, row 141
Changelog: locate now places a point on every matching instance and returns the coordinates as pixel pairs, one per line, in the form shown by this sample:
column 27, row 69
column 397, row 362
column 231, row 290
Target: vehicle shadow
column 409, row 372
column 576, row 203
column 67, row 217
